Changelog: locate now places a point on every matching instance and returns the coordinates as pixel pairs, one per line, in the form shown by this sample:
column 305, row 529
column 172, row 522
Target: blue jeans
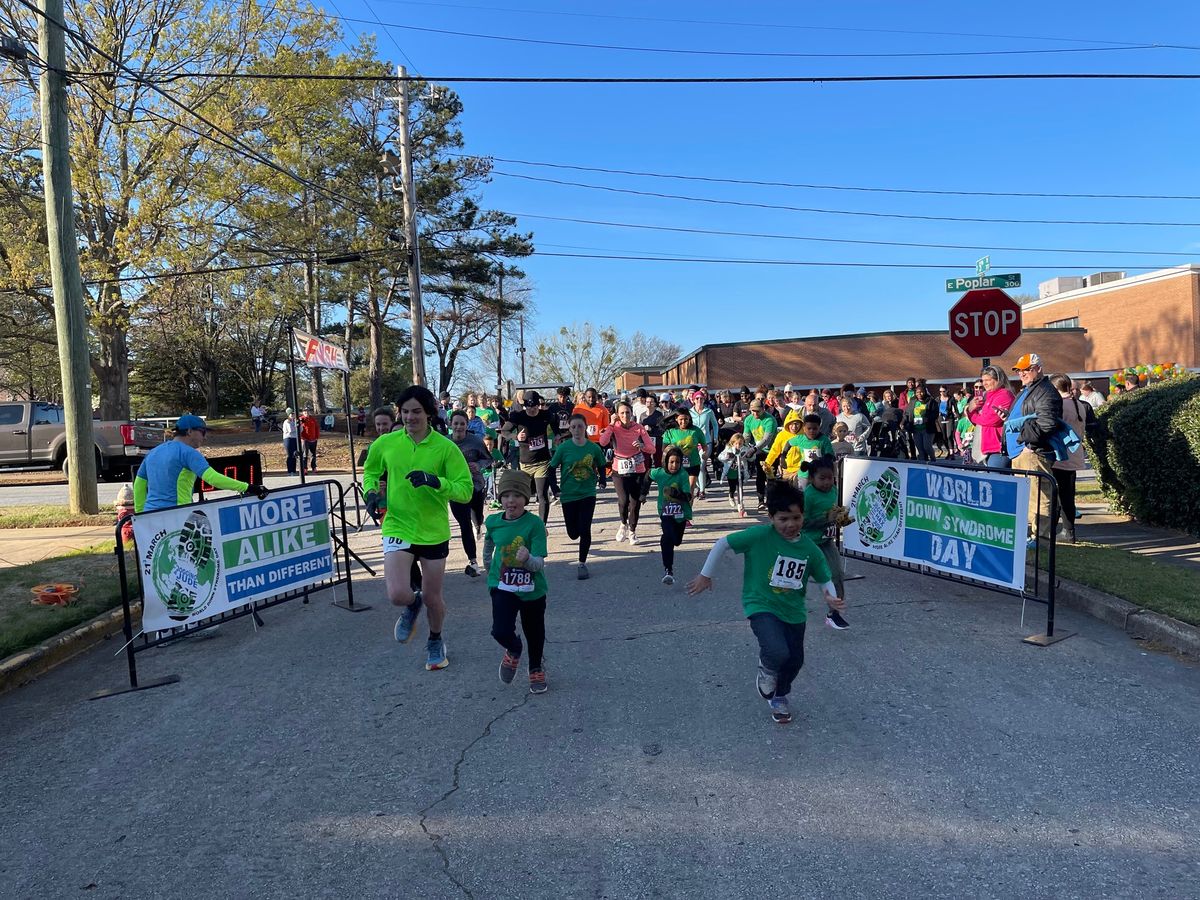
column 291, row 446
column 997, row 461
column 780, row 649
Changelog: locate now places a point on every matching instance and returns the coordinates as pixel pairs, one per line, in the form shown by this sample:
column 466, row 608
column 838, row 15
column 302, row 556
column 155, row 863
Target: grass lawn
column 1171, row 590
column 23, row 625
column 51, row 517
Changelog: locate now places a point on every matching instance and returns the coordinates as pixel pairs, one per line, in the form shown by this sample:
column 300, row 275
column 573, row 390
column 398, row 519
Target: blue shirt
column 170, row 471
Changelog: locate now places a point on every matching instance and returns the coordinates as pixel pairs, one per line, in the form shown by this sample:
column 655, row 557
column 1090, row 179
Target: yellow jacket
column 791, row 462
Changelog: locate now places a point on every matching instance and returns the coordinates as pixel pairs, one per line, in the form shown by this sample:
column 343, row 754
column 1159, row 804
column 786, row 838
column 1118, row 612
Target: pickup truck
column 34, row 434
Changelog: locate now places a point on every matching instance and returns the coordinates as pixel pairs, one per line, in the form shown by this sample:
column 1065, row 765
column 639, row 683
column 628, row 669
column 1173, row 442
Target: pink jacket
column 622, row 438
column 990, row 418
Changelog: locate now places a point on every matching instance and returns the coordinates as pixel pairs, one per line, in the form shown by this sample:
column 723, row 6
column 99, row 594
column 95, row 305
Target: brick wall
column 877, row 358
column 1150, row 322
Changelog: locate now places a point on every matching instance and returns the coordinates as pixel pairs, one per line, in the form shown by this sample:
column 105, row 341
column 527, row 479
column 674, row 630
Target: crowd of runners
column 770, row 451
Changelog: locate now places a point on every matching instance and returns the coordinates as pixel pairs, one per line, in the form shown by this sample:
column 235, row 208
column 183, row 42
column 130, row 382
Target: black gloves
column 373, row 500
column 258, row 490
column 424, row 479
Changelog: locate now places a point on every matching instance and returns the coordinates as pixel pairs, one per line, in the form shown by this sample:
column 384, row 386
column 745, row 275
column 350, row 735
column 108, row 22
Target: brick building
column 1142, row 319
column 867, row 359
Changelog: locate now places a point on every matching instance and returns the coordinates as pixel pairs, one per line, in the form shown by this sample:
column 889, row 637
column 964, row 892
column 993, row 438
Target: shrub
column 1147, row 453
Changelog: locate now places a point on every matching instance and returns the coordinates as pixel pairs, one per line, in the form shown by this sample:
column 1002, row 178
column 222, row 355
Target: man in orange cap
column 1035, row 416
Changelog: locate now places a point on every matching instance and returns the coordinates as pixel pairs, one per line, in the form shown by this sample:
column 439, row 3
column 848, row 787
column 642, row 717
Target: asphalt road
column 932, row 754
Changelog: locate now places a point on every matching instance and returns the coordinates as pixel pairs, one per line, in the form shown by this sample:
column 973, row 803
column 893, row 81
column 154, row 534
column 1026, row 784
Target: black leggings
column 672, row 537
column 1066, row 494
column 506, row 607
column 629, row 498
column 577, row 516
column 469, row 516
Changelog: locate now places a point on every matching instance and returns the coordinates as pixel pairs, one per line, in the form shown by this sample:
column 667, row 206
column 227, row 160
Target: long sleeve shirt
column 419, row 515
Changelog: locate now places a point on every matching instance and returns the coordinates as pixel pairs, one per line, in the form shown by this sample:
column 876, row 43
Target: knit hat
column 517, row 482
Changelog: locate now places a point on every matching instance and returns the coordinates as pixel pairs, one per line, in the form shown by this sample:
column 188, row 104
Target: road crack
column 435, row 838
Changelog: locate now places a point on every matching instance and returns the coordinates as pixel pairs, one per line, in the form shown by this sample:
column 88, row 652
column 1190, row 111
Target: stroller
column 883, row 441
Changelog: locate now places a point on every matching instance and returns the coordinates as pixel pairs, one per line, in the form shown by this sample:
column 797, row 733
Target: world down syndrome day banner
column 962, row 522
column 199, row 561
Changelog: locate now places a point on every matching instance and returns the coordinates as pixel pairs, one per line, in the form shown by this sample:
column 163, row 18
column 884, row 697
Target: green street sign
column 982, row 265
column 955, row 285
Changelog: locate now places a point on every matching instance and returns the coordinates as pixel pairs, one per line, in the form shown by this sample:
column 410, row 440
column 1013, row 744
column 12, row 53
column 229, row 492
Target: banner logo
column 877, row 507
column 183, row 567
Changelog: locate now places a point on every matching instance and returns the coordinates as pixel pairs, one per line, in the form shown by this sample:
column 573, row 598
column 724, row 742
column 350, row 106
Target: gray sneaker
column 408, row 620
column 765, row 682
column 582, row 572
column 435, row 649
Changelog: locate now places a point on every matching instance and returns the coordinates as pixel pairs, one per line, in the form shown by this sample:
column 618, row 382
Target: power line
column 834, row 212
column 829, row 240
column 774, row 26
column 805, row 263
column 833, row 187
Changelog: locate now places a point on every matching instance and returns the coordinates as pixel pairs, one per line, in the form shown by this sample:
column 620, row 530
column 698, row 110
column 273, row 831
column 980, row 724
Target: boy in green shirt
column 811, row 444
column 582, row 463
column 674, row 506
column 514, row 551
column 778, row 562
column 759, row 428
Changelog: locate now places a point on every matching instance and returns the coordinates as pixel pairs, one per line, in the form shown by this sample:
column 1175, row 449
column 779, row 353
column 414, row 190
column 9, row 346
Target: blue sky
column 1067, row 137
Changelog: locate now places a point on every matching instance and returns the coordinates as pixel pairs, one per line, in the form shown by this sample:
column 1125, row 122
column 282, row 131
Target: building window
column 1064, row 323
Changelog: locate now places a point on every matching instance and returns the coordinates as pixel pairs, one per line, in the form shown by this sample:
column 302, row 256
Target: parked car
column 34, row 434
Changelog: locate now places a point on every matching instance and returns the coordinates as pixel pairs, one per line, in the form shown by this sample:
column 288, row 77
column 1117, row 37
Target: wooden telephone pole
column 409, row 200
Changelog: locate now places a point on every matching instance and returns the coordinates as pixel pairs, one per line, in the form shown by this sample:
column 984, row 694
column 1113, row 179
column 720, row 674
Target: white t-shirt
column 289, row 428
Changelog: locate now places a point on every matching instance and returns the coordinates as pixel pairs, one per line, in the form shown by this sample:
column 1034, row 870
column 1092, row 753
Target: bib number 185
column 788, row 572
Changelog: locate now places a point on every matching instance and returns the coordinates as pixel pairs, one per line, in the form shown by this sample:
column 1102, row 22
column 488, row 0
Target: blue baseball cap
column 188, row 422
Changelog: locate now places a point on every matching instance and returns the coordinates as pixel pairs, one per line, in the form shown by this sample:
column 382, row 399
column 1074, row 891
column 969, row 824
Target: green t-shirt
column 811, row 448
column 776, row 572
column 489, row 415
column 758, row 429
column 817, row 504
column 688, row 440
column 509, row 537
column 580, row 469
column 674, row 492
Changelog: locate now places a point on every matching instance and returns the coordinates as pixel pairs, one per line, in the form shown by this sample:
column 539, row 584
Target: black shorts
column 419, row 551
column 694, row 471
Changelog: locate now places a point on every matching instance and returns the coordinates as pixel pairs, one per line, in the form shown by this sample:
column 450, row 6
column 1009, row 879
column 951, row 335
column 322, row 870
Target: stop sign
column 985, row 323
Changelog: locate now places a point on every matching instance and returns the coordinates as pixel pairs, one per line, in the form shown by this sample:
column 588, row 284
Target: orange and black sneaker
column 508, row 667
column 537, row 681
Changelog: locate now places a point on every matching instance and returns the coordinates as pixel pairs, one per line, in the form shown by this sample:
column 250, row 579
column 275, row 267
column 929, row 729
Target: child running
column 822, row 518
column 515, row 553
column 735, row 456
column 582, row 464
column 674, row 507
column 778, row 560
column 690, row 440
column 811, row 445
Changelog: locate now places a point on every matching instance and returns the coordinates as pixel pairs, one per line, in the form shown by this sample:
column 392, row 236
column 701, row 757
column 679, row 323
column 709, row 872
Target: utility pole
column 522, row 351
column 409, row 200
column 500, row 338
column 70, row 317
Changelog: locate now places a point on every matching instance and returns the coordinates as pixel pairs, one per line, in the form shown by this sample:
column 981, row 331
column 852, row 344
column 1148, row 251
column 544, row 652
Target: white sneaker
column 732, row 503
column 668, row 578
column 632, row 538
column 622, row 533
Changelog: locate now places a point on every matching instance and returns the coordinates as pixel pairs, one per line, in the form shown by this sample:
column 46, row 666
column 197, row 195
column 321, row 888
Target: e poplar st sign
column 985, row 323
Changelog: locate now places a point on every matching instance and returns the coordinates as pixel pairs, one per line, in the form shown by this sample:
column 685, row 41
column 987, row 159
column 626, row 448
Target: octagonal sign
column 985, row 323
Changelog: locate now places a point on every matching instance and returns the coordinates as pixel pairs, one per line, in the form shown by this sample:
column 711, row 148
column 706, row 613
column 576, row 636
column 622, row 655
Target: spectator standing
column 360, row 428
column 1067, row 470
column 1091, row 396
column 256, row 415
column 310, row 433
column 1035, row 419
column 813, row 407
column 987, row 411
column 291, row 440
column 857, row 424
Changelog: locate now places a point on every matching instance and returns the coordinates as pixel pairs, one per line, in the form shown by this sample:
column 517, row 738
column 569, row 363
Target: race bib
column 788, row 573
column 537, row 443
column 591, row 430
column 830, row 532
column 674, row 510
column 392, row 544
column 624, row 466
column 564, row 421
column 516, row 581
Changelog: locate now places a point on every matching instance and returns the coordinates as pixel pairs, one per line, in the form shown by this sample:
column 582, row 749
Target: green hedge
column 1147, row 453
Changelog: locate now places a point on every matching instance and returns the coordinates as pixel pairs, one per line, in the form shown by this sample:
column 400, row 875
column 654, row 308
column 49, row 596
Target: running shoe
column 408, row 620
column 582, row 573
column 508, row 667
column 765, row 682
column 472, row 569
column 700, row 496
column 762, row 505
column 632, row 538
column 554, row 499
column 537, row 681
column 435, row 649
column 732, row 503
column 779, row 710
column 834, row 620
column 668, row 578
column 622, row 533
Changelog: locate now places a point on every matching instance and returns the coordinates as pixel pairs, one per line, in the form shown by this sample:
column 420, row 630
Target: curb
column 1138, row 623
column 22, row 668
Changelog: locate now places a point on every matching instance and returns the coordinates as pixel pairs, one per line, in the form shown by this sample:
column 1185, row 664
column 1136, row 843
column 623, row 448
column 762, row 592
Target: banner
column 199, row 561
column 963, row 522
column 319, row 354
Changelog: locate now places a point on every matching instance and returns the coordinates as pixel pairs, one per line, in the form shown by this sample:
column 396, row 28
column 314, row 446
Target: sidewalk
column 1099, row 526
column 21, row 546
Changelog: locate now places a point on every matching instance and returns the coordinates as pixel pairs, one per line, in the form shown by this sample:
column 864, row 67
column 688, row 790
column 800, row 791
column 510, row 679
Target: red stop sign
column 985, row 322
